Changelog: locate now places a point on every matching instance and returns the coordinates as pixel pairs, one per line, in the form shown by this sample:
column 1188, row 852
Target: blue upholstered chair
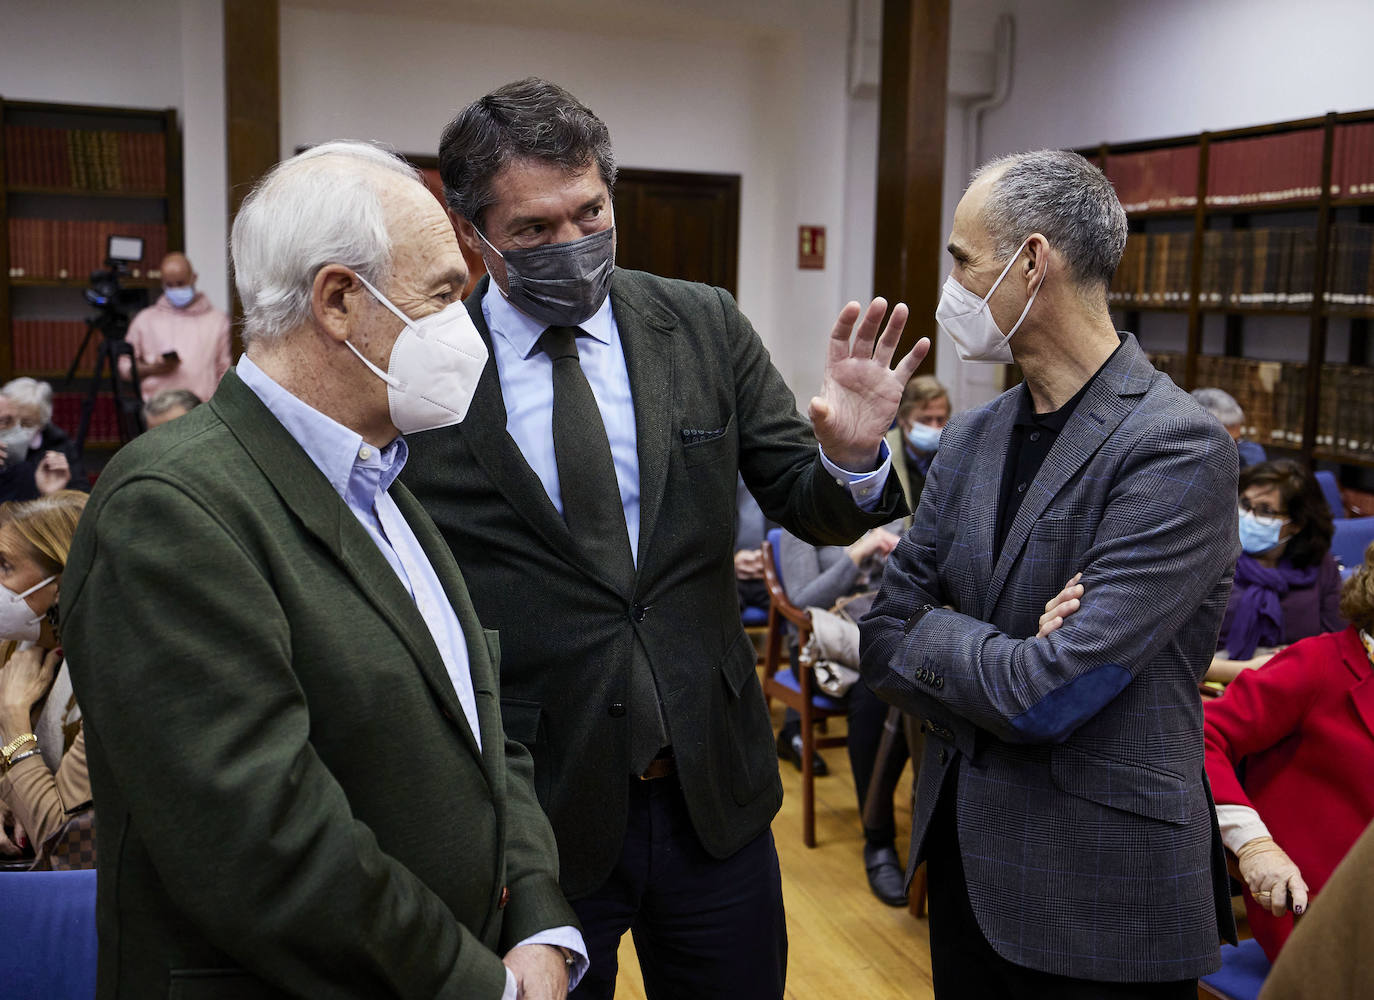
column 48, row 946
column 795, row 688
column 1352, row 537
column 1332, row 491
column 1242, row 973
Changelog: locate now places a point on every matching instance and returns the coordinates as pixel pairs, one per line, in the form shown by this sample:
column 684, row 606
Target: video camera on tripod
column 116, row 305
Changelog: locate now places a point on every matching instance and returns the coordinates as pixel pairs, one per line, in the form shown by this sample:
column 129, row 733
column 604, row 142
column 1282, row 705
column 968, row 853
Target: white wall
column 1088, row 71
column 153, row 54
column 766, row 101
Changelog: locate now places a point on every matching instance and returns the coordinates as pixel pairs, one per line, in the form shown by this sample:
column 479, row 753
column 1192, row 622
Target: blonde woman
column 43, row 778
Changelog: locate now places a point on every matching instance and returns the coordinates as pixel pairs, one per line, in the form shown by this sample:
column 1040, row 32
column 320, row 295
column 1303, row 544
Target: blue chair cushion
column 1332, row 491
column 1242, row 972
column 49, row 945
column 1352, row 537
column 754, row 616
column 788, row 678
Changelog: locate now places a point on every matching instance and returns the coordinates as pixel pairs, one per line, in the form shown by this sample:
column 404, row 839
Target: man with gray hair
column 291, row 708
column 1222, row 405
column 1062, row 805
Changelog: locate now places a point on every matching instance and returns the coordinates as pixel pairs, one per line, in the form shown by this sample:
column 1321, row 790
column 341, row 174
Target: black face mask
column 561, row 284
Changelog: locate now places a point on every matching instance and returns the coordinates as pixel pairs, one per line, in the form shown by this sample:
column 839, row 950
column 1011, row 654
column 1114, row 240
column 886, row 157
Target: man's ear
column 1037, row 260
column 333, row 300
column 467, row 232
column 494, row 263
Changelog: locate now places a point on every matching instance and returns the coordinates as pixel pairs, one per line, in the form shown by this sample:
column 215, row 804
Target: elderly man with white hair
column 292, row 711
column 1222, row 405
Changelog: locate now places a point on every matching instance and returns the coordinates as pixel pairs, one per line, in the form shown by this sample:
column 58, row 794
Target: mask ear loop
column 1029, row 302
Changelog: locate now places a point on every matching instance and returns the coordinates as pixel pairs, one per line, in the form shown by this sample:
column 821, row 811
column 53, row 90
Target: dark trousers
column 965, row 967
column 866, row 713
column 702, row 927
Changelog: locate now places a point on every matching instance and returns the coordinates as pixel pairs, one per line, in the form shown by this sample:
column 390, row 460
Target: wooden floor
column 842, row 941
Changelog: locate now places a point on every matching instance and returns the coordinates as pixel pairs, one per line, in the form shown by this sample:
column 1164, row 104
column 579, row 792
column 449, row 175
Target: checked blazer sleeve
column 1156, row 553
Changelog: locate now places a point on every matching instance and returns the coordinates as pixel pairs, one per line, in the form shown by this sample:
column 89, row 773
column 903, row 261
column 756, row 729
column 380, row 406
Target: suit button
column 617, row 709
column 505, row 898
column 639, row 613
column 939, row 682
column 943, row 756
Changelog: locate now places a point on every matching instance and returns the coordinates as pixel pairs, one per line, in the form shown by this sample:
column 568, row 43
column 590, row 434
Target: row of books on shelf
column 48, row 346
column 66, row 413
column 1273, row 394
column 72, row 248
column 1260, row 170
column 1247, row 269
column 1155, row 179
column 1286, row 166
column 85, row 159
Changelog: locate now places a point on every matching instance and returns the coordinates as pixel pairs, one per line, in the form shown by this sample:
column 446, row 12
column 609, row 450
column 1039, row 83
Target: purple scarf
column 1257, row 615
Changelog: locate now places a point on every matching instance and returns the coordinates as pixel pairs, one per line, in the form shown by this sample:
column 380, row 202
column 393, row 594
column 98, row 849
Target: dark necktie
column 595, row 515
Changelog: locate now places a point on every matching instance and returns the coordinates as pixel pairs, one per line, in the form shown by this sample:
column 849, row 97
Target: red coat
column 1303, row 724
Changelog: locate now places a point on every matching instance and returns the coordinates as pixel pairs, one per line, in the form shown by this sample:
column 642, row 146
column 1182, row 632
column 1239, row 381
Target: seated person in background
column 181, row 340
column 1287, row 585
column 33, row 406
column 817, row 577
column 25, row 475
column 44, row 780
column 167, row 405
column 1222, row 405
column 750, row 528
column 1301, row 728
column 921, row 417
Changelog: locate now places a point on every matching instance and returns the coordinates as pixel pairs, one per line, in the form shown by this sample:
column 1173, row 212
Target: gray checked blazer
column 1085, row 820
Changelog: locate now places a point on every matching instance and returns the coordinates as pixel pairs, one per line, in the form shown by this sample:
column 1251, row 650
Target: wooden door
column 679, row 225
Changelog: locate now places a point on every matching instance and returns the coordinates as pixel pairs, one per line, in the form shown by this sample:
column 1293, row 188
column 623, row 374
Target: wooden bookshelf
column 70, row 175
column 1271, row 224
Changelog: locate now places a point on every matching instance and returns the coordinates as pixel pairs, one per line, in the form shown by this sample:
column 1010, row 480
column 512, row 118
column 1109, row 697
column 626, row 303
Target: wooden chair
column 795, row 688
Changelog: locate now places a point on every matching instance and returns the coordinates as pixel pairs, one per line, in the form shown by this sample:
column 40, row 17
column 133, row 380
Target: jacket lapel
column 644, row 334
column 484, row 429
column 985, row 492
column 480, row 665
column 323, row 513
column 1362, row 694
column 1113, row 394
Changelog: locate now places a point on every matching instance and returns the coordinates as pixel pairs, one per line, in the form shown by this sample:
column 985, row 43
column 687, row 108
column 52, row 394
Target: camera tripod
column 128, row 411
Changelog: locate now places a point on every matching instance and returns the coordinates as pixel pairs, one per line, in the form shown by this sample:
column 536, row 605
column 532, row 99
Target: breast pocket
column 712, row 442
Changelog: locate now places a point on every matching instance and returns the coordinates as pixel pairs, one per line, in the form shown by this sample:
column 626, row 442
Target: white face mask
column 435, row 365
column 17, row 620
column 969, row 323
column 16, row 441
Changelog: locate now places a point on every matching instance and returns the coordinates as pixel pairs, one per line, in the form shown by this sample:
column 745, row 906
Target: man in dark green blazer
column 626, row 671
column 291, row 708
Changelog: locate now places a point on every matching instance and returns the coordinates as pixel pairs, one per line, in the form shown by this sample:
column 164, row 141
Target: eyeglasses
column 1263, row 514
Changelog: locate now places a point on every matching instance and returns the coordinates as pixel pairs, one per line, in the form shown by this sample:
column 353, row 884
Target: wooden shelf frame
column 1317, row 313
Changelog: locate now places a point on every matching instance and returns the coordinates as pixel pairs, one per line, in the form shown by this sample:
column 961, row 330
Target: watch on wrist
column 915, row 619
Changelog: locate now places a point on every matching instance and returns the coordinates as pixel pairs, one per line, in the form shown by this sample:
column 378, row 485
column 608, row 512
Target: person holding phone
column 181, row 341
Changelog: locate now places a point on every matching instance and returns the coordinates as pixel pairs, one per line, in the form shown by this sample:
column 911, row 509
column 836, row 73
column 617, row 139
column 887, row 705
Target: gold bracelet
column 15, row 744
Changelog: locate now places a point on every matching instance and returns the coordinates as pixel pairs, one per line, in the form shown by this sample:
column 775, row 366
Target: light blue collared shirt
column 361, row 474
column 526, row 375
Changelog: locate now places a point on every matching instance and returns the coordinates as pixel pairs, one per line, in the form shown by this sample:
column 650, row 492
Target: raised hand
column 860, row 394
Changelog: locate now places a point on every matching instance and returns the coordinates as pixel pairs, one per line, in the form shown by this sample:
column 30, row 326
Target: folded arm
column 1162, row 544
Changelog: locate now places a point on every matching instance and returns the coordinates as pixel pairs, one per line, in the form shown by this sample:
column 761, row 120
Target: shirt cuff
column 560, row 937
column 1239, row 825
column 865, row 487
